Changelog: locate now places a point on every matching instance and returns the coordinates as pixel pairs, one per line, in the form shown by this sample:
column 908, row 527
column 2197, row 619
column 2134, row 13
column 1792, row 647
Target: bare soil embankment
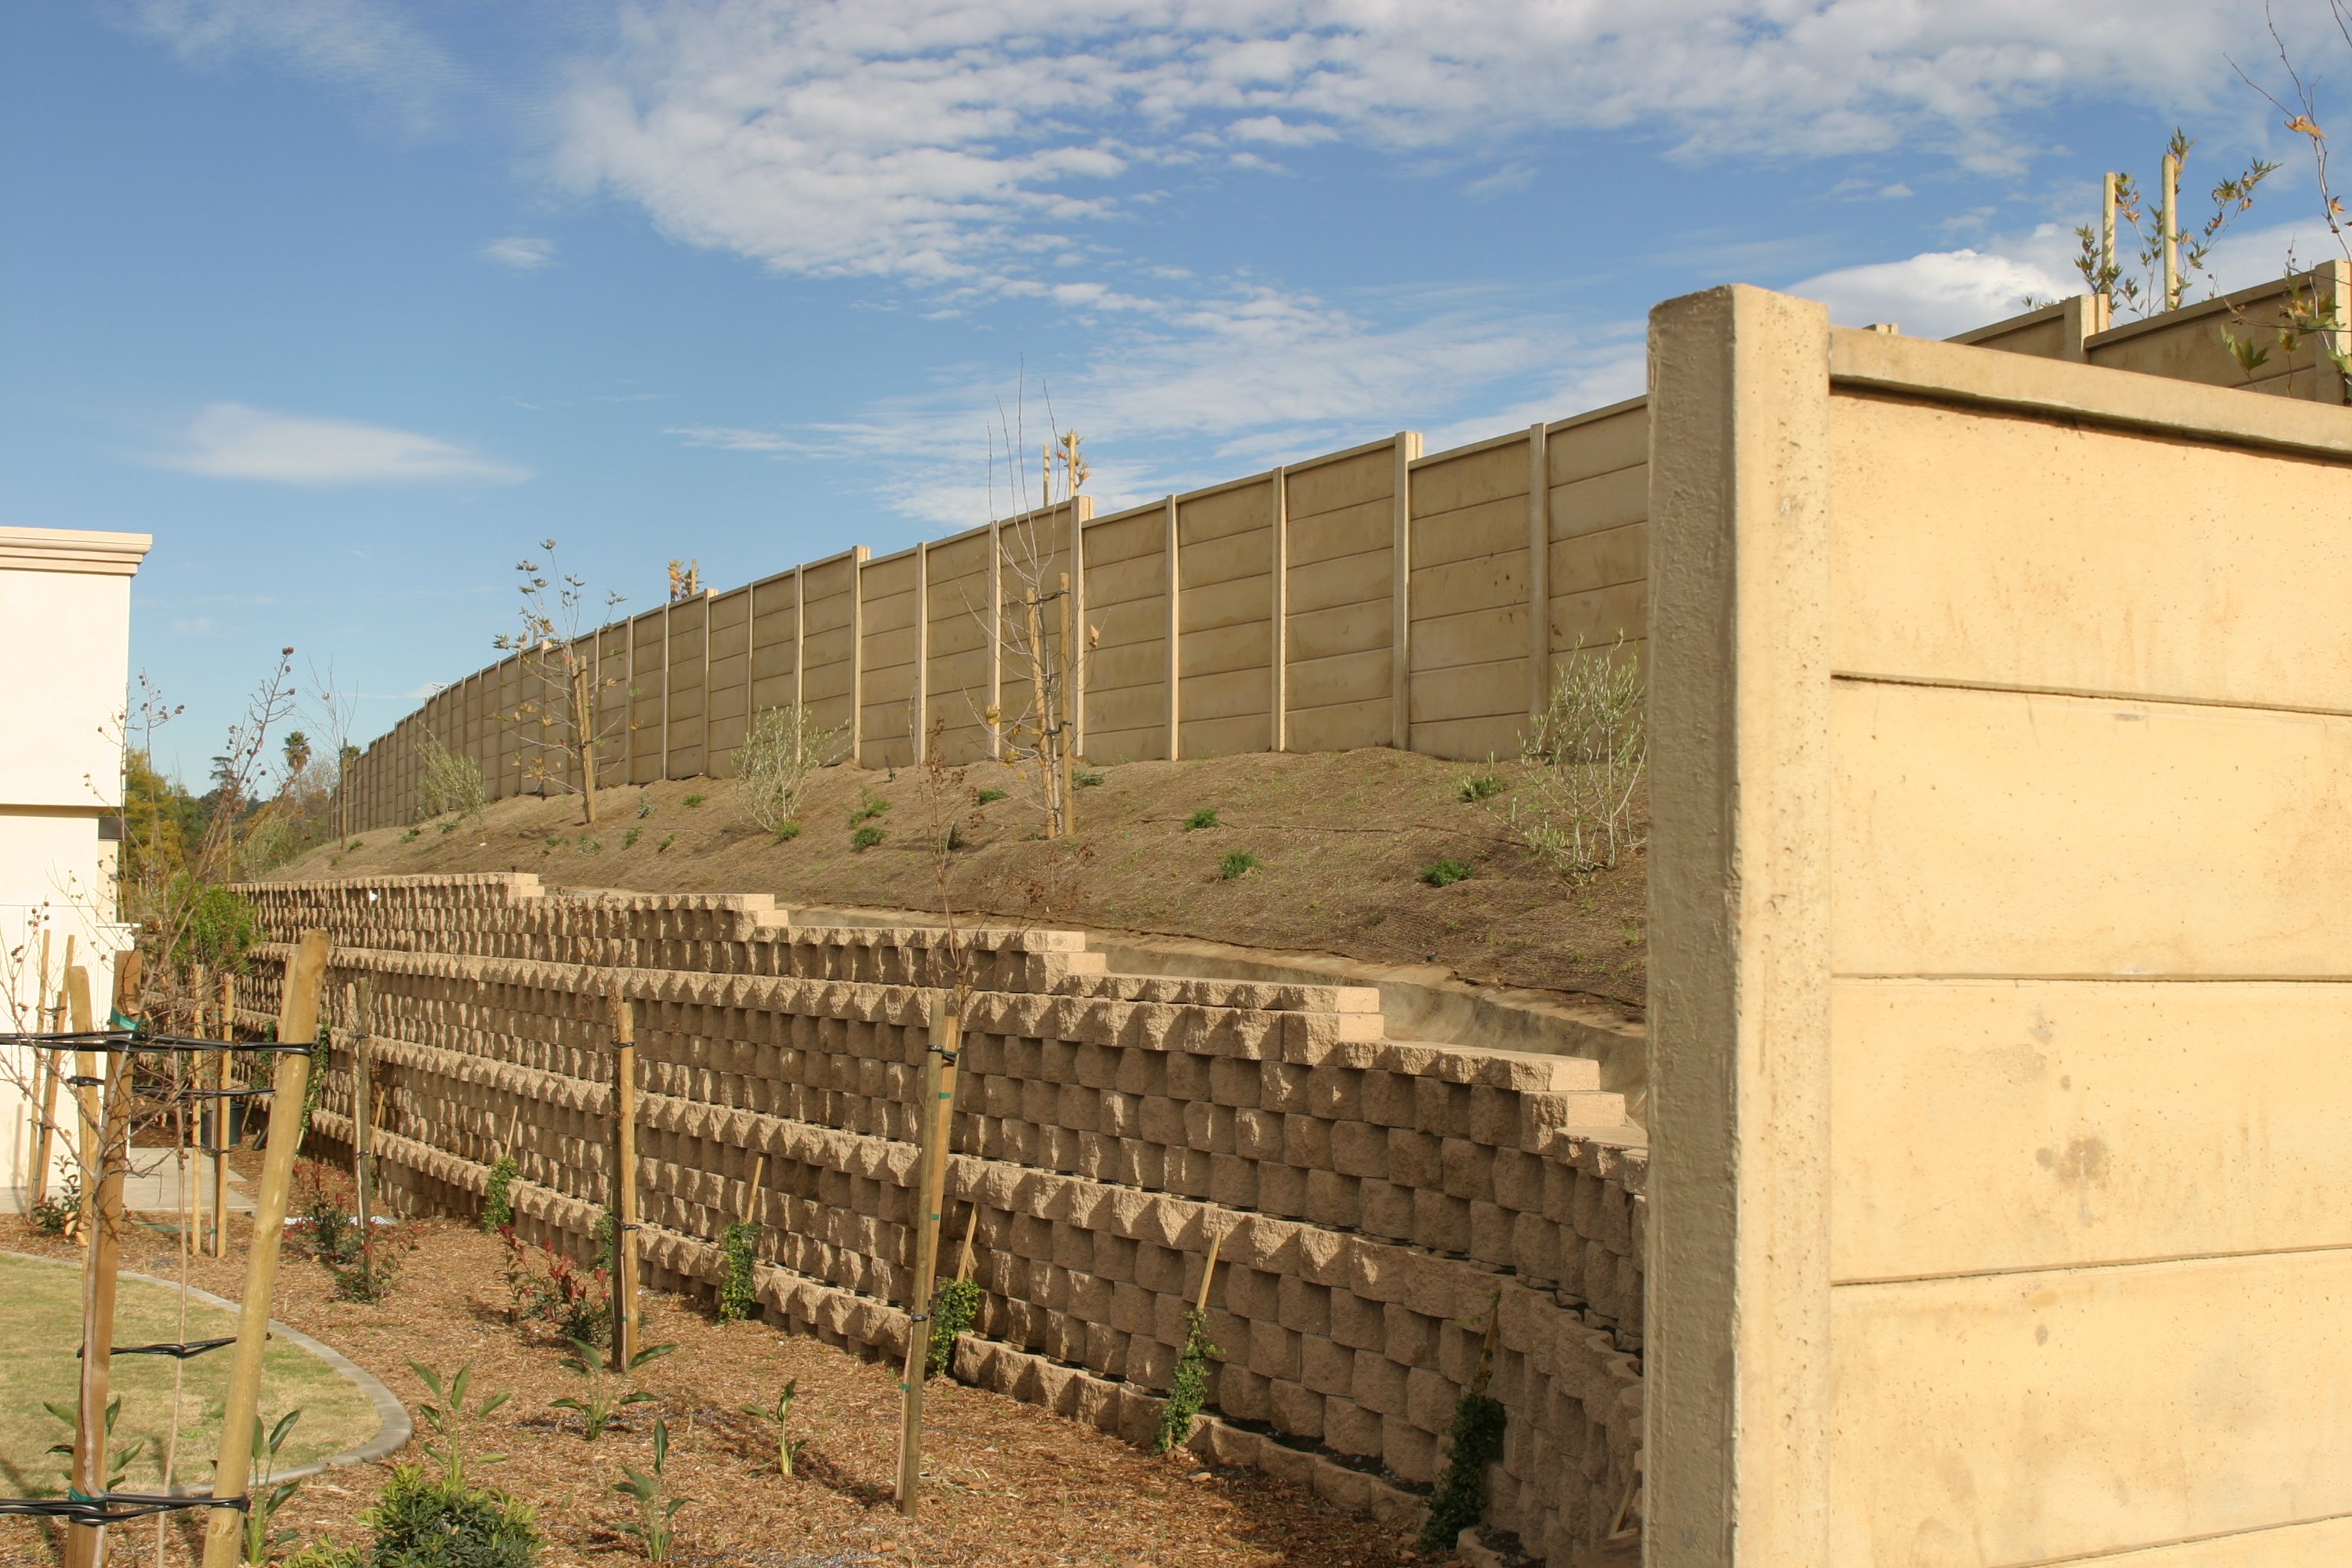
column 1340, row 840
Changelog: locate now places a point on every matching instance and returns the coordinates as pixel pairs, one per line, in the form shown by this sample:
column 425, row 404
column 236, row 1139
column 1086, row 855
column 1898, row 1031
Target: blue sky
column 349, row 304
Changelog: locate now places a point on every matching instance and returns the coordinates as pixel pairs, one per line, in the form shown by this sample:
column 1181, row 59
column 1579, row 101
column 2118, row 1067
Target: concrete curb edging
column 391, row 1437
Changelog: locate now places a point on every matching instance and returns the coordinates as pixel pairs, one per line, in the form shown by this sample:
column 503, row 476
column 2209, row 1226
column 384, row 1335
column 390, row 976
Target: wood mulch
column 1005, row 1483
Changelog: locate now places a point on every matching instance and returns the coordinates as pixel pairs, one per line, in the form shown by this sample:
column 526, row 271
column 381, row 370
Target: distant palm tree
column 298, row 753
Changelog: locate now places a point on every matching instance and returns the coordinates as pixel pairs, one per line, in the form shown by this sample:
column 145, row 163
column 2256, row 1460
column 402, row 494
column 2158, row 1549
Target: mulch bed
column 1004, row 1482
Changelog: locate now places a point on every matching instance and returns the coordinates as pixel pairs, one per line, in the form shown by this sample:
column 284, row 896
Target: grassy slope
column 1340, row 838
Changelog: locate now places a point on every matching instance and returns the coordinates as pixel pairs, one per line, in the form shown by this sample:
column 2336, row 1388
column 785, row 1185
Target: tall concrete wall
column 1999, row 1085
column 1377, row 1198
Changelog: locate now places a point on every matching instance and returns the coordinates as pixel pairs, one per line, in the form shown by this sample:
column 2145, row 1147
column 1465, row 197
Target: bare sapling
column 785, row 747
column 564, row 716
column 2305, row 312
column 1033, row 723
column 1586, row 758
column 2166, row 250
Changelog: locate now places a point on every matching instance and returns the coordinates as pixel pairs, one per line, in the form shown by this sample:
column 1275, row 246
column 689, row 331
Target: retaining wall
column 1376, row 1197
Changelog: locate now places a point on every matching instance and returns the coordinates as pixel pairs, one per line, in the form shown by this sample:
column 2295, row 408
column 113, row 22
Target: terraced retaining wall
column 1377, row 1198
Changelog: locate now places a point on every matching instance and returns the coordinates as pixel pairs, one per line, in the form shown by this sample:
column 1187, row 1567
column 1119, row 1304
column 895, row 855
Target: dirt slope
column 1341, row 839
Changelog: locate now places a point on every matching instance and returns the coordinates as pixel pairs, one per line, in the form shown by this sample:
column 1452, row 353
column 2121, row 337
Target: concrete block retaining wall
column 1375, row 1195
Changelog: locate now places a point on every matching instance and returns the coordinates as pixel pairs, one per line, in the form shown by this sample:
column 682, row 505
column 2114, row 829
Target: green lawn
column 40, row 1324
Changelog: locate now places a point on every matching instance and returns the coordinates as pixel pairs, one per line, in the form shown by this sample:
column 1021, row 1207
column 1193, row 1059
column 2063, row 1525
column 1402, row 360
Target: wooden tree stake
column 751, row 1192
column 625, row 1184
column 1061, row 721
column 933, row 1124
column 86, row 1543
column 362, row 1134
column 1209, row 1269
column 971, row 1228
column 226, row 1024
column 298, row 1024
column 84, row 1097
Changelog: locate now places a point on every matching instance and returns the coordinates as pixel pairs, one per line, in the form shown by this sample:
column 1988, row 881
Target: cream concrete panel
column 1361, row 578
column 1370, row 526
column 956, row 633
column 2321, row 1543
column 1350, row 629
column 1341, row 727
column 1957, row 532
column 825, row 643
column 730, row 610
column 772, row 659
column 1351, row 482
column 1116, row 665
column 889, row 649
column 1469, row 740
column 1603, row 560
column 1141, row 537
column 2002, row 833
column 1443, row 483
column 1581, row 450
column 1470, row 532
column 1233, row 694
column 1228, row 649
column 1127, row 707
column 1143, row 745
column 2032, row 1417
column 1131, row 625
column 1475, row 637
column 1599, row 614
column 1140, row 581
column 1605, row 500
column 1347, row 679
column 2006, row 1124
column 1226, row 737
column 1470, row 691
column 891, row 610
column 1231, row 558
column 771, row 691
column 825, row 680
column 1484, row 584
column 1237, row 510
column 1243, row 600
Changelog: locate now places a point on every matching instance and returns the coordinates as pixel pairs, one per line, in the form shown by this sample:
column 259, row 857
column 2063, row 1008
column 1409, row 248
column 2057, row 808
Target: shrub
column 645, row 805
column 696, row 799
column 869, row 806
column 1189, row 1389
column 786, row 831
column 407, row 838
column 222, row 926
column 1204, row 817
column 498, row 1199
column 989, row 796
column 629, row 839
column 1587, row 758
column 738, row 1298
column 327, row 1554
column 450, row 783
column 867, row 838
column 954, row 1313
column 1236, row 863
column 590, row 845
column 425, row 1522
column 1087, row 778
column 773, row 763
column 549, row 1288
column 1476, row 788
column 1446, row 872
column 665, row 842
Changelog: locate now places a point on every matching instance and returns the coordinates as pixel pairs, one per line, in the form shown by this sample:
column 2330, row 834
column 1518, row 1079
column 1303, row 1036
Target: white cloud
column 940, row 141
column 367, row 45
column 231, row 441
column 522, row 252
column 1940, row 292
column 196, row 626
column 733, row 438
column 1509, row 180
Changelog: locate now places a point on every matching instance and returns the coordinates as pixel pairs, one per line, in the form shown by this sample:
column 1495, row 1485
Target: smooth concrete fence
column 2000, row 1010
column 1374, row 597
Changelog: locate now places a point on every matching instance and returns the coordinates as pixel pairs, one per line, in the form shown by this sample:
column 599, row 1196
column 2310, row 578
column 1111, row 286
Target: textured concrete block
column 1325, row 1366
column 1350, row 1427
column 1296, row 1409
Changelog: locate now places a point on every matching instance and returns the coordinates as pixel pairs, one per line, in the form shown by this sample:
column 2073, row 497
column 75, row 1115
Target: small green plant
column 327, row 1554
column 665, row 842
column 262, row 1498
column 1188, row 1390
column 787, row 831
column 649, row 1489
column 1460, row 1500
column 1446, row 871
column 738, row 1298
column 1204, row 817
column 954, row 838
column 590, row 845
column 119, row 1458
column 599, row 1402
column 498, row 1199
column 424, row 1521
column 1087, row 778
column 407, row 838
column 867, row 838
column 953, row 1313
column 987, row 797
column 554, row 840
column 1476, row 788
column 696, row 799
column 788, row 1447
column 57, row 1211
column 452, row 1421
column 869, row 806
column 1237, row 863
column 446, row 826
column 629, row 839
column 355, row 844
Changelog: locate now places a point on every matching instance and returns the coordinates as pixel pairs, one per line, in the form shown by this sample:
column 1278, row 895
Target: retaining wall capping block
column 1098, row 1202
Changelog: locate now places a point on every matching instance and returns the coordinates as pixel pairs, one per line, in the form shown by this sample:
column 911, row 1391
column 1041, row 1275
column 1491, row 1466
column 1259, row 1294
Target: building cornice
column 72, row 550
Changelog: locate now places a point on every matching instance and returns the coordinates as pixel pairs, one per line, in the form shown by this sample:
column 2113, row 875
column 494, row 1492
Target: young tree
column 2168, row 252
column 1044, row 652
column 2305, row 313
column 563, row 715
